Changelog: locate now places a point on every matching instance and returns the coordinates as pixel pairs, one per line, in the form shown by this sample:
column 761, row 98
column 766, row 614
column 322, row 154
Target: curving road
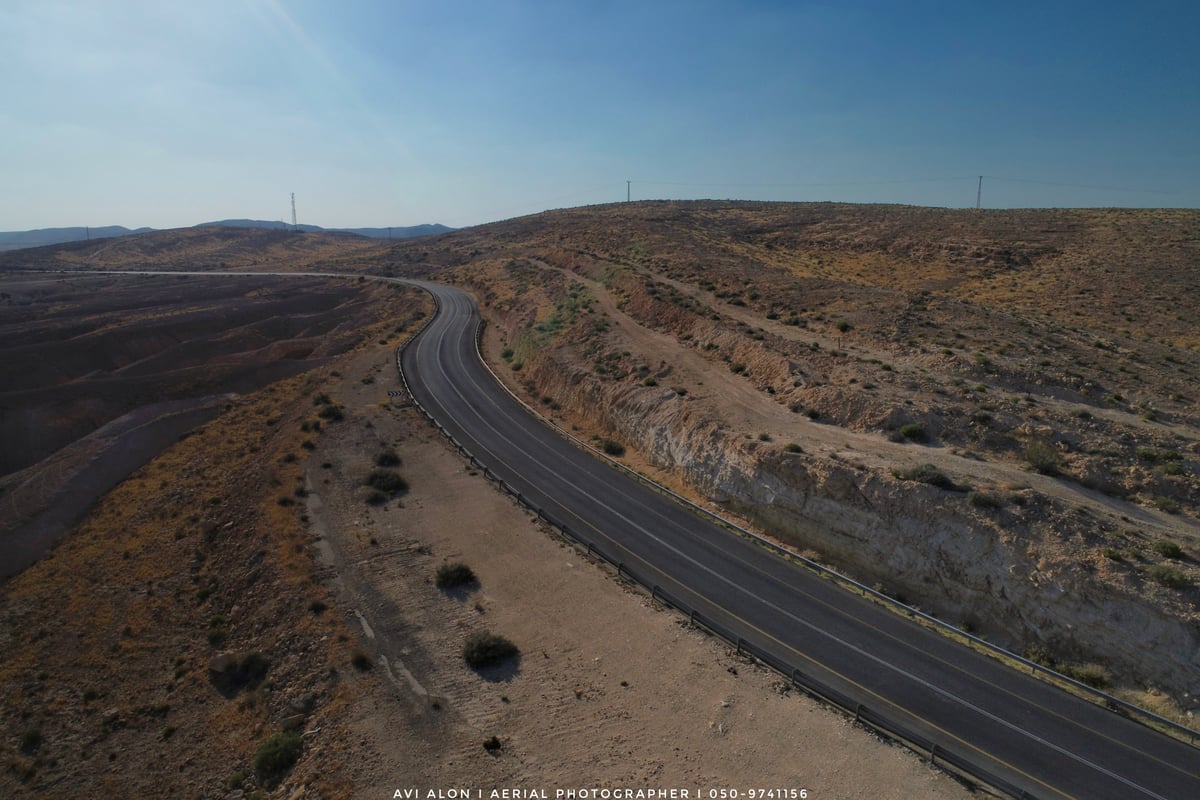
column 1037, row 738
column 1032, row 737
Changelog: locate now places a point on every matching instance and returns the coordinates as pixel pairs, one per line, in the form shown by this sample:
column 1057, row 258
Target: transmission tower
column 293, row 209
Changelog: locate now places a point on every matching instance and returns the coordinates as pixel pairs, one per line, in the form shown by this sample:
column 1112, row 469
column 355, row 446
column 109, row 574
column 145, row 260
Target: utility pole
column 627, row 191
column 979, row 193
column 293, row 210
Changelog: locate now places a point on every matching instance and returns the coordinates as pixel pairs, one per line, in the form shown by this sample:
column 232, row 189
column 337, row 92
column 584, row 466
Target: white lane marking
column 559, row 477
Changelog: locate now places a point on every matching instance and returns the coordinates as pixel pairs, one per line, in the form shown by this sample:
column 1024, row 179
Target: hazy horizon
column 162, row 114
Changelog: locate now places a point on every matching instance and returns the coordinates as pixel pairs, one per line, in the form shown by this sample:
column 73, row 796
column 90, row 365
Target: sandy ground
column 610, row 690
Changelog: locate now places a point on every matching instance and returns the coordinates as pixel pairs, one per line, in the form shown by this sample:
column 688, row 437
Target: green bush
column 453, row 575
column 985, row 500
column 387, row 458
column 913, row 431
column 1042, row 457
column 792, row 447
column 1168, row 549
column 331, row 413
column 927, row 473
column 276, row 755
column 1094, row 675
column 612, row 448
column 1169, row 577
column 387, row 481
column 487, row 649
column 1166, row 504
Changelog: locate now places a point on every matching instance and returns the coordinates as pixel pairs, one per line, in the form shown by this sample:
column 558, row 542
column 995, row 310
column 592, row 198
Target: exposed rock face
column 1007, row 572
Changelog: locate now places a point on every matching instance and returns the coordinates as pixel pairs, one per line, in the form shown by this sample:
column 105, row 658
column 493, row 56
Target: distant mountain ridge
column 17, row 240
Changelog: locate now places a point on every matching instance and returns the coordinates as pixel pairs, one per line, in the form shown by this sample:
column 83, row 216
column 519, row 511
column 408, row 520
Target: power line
column 909, row 180
column 827, row 183
column 1077, row 185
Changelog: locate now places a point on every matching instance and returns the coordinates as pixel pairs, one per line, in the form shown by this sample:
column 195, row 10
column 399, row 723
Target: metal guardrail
column 1108, row 700
column 862, row 714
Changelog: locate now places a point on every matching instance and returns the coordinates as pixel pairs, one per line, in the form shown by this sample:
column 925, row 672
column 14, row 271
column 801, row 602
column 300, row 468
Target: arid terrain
column 991, row 415
column 102, row 372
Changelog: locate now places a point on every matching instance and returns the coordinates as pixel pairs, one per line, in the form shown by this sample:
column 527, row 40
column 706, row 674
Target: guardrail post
column 933, row 755
column 858, row 712
column 739, row 646
column 653, row 594
column 692, row 618
column 620, row 569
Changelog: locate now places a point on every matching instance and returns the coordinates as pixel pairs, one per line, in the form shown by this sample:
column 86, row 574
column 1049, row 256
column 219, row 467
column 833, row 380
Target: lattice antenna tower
column 293, row 209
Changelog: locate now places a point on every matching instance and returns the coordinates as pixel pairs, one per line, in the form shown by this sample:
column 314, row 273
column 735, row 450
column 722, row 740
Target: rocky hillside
column 990, row 414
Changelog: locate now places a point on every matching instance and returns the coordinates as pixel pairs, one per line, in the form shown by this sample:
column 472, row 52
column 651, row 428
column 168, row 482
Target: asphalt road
column 1029, row 734
column 1036, row 737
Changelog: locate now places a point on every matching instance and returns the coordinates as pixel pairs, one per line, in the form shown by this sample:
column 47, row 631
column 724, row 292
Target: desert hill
column 198, row 248
column 42, row 237
column 990, row 415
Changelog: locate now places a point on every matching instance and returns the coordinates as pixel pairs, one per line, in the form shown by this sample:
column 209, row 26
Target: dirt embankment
column 178, row 640
column 609, row 690
column 1029, row 560
column 240, row 588
column 104, row 372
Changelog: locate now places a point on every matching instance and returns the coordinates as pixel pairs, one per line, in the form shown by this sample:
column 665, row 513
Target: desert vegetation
column 1014, row 355
column 1004, row 401
column 453, row 575
column 486, row 649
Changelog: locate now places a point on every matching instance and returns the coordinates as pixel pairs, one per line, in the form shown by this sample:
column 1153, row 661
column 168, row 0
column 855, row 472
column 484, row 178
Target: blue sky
column 165, row 113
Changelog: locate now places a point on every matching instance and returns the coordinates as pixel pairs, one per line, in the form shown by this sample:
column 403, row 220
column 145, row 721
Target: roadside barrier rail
column 807, row 683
